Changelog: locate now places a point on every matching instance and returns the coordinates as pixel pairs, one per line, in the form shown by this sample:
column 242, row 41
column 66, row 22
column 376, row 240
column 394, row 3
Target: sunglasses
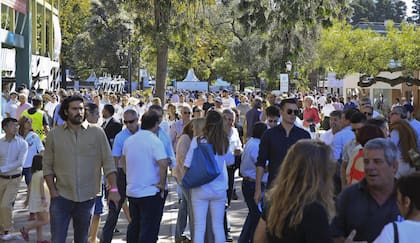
column 186, row 112
column 271, row 121
column 368, row 113
column 290, row 111
column 131, row 121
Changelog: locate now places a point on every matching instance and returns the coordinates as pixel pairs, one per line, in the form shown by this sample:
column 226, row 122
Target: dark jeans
column 62, row 210
column 248, row 190
column 146, row 215
column 28, row 175
column 114, row 210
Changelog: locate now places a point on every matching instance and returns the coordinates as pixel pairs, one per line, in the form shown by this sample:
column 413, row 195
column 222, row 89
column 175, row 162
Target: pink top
column 22, row 108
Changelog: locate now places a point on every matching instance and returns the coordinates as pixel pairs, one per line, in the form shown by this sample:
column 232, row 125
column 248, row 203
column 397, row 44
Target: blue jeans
column 248, row 190
column 146, row 215
column 114, row 212
column 26, row 172
column 184, row 211
column 62, row 210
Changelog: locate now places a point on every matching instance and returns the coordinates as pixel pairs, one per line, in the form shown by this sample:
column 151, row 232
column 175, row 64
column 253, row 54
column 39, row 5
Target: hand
column 351, row 236
column 114, row 197
column 54, row 194
column 257, row 196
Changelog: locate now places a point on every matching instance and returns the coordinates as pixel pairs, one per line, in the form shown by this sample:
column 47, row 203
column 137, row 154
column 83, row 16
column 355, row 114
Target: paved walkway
column 236, row 215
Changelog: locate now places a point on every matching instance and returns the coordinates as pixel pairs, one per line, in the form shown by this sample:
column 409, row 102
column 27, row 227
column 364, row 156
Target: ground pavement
column 237, row 215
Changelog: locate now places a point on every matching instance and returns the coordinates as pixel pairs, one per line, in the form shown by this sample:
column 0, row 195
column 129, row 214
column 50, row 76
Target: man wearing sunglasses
column 276, row 142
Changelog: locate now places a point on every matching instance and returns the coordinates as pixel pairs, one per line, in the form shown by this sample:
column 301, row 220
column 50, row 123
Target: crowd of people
column 314, row 168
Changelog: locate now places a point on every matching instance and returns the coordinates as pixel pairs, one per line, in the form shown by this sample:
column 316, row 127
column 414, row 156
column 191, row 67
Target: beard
column 76, row 120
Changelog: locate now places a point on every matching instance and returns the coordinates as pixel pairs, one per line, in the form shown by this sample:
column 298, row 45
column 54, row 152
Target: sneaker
column 7, row 236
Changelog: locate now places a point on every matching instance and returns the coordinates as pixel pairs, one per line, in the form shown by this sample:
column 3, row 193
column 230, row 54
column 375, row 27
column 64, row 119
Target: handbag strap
column 396, row 238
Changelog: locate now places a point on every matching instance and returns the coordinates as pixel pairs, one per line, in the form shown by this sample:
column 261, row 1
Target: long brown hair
column 306, row 176
column 408, row 139
column 215, row 132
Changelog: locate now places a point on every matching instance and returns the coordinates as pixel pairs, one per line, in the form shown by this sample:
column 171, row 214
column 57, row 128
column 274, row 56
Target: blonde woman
column 300, row 204
column 211, row 196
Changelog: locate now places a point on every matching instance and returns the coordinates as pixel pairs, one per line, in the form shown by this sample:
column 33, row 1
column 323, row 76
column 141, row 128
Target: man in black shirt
column 276, row 142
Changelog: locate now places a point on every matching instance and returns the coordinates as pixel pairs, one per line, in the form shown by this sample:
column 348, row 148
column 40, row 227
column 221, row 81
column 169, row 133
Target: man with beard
column 75, row 154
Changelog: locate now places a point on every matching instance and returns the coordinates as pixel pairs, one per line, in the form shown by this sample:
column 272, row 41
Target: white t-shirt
column 408, row 232
column 228, row 102
column 34, row 147
column 142, row 150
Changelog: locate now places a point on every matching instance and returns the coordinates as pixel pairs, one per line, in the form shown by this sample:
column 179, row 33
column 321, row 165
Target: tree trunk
column 162, row 17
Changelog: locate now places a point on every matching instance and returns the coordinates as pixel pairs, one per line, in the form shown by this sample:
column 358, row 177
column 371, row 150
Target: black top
column 274, row 146
column 356, row 209
column 314, row 227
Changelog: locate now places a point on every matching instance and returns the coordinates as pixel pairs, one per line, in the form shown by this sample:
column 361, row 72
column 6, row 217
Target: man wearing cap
column 12, row 105
column 218, row 104
column 39, row 118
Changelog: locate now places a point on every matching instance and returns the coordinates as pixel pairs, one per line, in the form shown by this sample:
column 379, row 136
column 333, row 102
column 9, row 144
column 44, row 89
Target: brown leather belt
column 9, row 177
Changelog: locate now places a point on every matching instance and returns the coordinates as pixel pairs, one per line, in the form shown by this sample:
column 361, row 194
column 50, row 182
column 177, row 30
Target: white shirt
column 228, row 102
column 11, row 108
column 249, row 158
column 327, row 109
column 221, row 182
column 35, row 146
column 234, row 143
column 12, row 155
column 327, row 137
column 50, row 107
column 408, row 232
column 142, row 151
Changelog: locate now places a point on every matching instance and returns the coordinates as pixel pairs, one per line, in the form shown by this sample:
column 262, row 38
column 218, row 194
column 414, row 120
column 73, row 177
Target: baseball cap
column 218, row 99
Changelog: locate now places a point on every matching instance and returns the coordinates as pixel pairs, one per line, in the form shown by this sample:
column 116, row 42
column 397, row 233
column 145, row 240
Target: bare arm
column 260, row 235
column 124, row 164
column 163, row 170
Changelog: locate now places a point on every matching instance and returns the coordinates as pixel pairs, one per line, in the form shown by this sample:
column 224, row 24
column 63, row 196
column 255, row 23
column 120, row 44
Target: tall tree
column 416, row 11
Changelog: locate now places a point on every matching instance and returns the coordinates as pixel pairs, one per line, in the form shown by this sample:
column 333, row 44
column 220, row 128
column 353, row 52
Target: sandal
column 24, row 233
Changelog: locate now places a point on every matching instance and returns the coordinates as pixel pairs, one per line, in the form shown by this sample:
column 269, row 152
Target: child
column 39, row 200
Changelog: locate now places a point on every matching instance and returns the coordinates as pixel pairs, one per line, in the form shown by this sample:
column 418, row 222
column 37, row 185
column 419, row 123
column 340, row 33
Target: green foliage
column 345, row 50
column 378, row 11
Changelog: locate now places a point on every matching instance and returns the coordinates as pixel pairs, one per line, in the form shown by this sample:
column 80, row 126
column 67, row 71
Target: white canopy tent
column 191, row 76
column 191, row 82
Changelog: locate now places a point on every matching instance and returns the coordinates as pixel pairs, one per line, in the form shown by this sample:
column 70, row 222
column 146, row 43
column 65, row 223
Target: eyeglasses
column 131, row 121
column 271, row 121
column 290, row 111
column 368, row 113
column 186, row 112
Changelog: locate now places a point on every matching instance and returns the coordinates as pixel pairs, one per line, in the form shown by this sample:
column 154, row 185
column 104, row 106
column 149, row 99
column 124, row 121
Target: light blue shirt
column 57, row 118
column 340, row 139
column 166, row 140
column 416, row 126
column 119, row 143
column 249, row 158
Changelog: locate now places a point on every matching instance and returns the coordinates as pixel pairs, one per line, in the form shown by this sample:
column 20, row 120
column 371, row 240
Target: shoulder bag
column 203, row 169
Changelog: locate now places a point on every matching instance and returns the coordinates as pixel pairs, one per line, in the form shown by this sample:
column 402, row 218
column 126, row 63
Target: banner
column 18, row 5
column 284, row 82
column 57, row 38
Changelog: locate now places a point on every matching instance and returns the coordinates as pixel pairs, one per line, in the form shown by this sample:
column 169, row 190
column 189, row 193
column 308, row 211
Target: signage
column 284, row 82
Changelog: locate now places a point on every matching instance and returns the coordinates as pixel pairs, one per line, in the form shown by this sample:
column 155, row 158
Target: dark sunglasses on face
column 131, row 121
column 290, row 111
column 271, row 121
column 186, row 112
column 368, row 113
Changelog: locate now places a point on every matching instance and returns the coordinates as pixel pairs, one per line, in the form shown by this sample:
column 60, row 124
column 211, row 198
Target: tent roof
column 92, row 78
column 221, row 82
column 191, row 76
